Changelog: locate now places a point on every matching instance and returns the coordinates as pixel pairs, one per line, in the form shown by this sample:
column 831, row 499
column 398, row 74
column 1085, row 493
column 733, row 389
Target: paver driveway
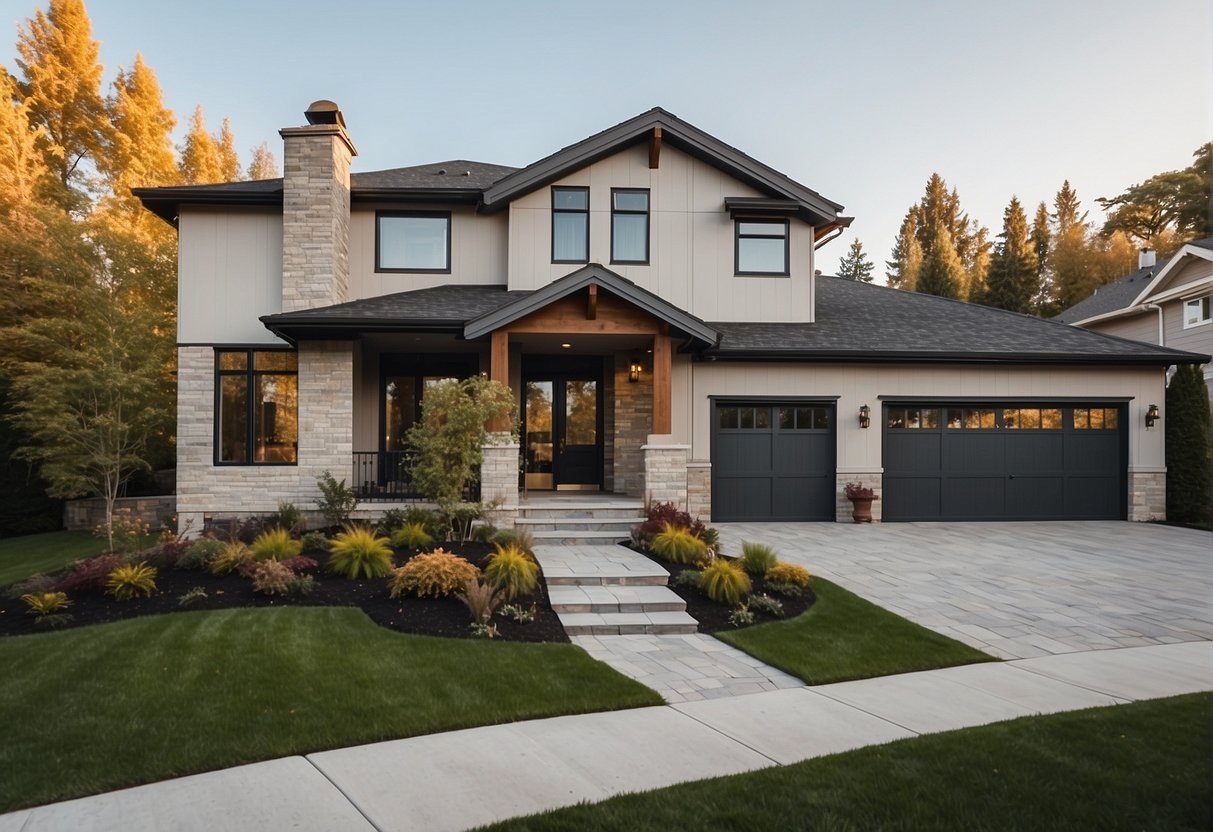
column 1015, row 590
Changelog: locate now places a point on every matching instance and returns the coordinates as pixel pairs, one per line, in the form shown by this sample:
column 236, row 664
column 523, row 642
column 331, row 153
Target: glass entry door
column 562, row 441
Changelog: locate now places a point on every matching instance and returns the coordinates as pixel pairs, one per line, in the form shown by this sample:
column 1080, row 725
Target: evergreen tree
column 942, row 272
column 22, row 166
column 1072, row 272
column 1014, row 277
column 855, row 264
column 62, row 88
column 967, row 239
column 200, row 163
column 1167, row 208
column 229, row 159
column 903, row 269
column 263, row 164
column 1041, row 240
column 1189, row 449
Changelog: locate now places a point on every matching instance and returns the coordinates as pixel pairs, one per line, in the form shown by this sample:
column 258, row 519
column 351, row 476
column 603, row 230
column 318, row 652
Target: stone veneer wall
column 326, row 420
column 499, row 479
column 633, row 422
column 699, row 490
column 665, row 472
column 843, row 507
column 85, row 515
column 1147, row 495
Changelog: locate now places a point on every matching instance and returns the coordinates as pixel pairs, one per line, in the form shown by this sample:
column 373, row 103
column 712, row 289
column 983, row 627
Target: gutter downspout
column 1162, row 336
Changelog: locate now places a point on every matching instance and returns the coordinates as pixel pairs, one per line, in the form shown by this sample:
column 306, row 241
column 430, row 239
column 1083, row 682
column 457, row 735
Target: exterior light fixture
column 634, row 370
column 865, row 417
column 566, row 345
column 1152, row 415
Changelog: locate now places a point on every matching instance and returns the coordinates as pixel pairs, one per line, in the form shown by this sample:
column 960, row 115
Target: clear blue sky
column 858, row 100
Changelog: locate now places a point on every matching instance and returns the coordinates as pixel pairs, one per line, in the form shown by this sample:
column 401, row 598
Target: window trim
column 738, row 237
column 584, row 212
column 1207, row 301
column 443, row 215
column 249, row 373
column 648, row 224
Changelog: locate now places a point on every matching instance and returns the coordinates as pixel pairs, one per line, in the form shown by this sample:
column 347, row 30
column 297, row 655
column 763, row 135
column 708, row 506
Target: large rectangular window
column 256, row 407
column 570, row 225
column 411, row 241
column 761, row 247
column 629, row 225
column 1196, row 311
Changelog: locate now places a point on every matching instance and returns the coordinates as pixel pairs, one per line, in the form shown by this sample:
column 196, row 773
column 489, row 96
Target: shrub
column 1189, row 448
column 244, row 531
column 131, row 581
column 337, row 500
column 45, row 603
column 391, row 520
column 480, row 630
column 201, row 553
column 484, row 532
column 125, row 534
column 788, row 573
column 661, row 514
column 411, row 536
column 314, row 542
column 233, row 556
column 438, row 574
column 32, row 585
column 522, row 538
column 427, row 518
column 188, row 599
column 358, row 552
column 300, row 564
column 786, row 590
column 481, row 597
column 711, row 537
column 458, row 519
column 271, row 577
column 687, row 577
column 275, row 544
column 520, row 614
column 89, row 573
column 724, row 581
column 678, row 545
column 288, row 517
column 766, row 605
column 757, row 558
column 167, row 553
column 513, row 570
column 301, row 585
column 742, row 616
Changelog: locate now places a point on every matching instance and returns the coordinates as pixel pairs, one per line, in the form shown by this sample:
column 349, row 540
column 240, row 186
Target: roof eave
column 910, row 357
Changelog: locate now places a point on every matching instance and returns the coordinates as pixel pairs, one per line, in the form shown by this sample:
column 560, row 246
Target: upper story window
column 761, row 246
column 1196, row 311
column 256, row 407
column 412, row 241
column 629, row 225
column 570, row 225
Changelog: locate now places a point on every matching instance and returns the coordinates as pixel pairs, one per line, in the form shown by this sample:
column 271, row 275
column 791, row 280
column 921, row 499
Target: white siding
column 229, row 274
column 690, row 233
column 478, row 252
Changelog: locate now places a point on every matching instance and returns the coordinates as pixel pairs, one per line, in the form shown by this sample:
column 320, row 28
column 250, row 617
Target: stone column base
column 843, row 508
column 665, row 471
column 499, row 480
column 1147, row 495
column 699, row 490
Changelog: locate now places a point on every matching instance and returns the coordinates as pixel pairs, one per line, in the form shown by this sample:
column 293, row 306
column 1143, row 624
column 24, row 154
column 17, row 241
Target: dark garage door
column 1004, row 462
column 772, row 461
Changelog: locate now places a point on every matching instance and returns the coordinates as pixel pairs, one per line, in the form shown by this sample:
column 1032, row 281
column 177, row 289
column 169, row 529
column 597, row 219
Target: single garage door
column 1004, row 462
column 772, row 460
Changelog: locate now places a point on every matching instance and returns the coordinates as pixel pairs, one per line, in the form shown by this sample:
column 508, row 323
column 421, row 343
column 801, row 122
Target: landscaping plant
column 686, row 577
column 437, row 574
column 271, row 577
column 337, row 500
column 765, row 605
column 131, row 581
column 678, row 544
column 233, row 556
column 191, row 597
column 33, row 585
column 788, row 573
column 658, row 516
column 357, row 552
column 724, row 581
column 757, row 558
column 521, row 614
column 1189, row 448
column 411, row 536
column 90, row 573
column 522, row 538
column 288, row 517
column 46, row 603
column 742, row 616
column 513, row 570
column 275, row 544
column 314, row 542
column 482, row 598
column 300, row 564
column 201, row 553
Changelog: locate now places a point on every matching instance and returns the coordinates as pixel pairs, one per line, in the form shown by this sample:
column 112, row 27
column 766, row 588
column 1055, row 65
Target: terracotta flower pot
column 861, row 509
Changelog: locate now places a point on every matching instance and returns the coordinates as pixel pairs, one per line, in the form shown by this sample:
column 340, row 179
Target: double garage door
column 775, row 460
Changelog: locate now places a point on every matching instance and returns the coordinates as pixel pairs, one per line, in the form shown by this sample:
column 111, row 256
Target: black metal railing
column 387, row 477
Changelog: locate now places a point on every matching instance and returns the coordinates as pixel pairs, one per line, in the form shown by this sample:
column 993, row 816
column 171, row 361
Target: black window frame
column 648, row 224
column 249, row 373
column 439, row 215
column 584, row 212
column 738, row 237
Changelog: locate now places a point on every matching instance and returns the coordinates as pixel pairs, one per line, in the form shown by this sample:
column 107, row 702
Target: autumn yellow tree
column 263, row 164
column 229, row 159
column 200, row 162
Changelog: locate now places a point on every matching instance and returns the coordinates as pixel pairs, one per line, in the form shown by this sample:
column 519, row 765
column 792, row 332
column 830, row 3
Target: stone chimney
column 1145, row 258
column 316, row 209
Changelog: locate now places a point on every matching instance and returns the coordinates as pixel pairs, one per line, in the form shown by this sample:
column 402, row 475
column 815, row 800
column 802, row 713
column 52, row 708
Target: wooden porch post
column 499, row 370
column 662, row 383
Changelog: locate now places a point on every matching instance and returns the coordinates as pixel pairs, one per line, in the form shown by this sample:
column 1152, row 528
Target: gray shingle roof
column 459, row 173
column 441, row 306
column 1206, row 242
column 1110, row 297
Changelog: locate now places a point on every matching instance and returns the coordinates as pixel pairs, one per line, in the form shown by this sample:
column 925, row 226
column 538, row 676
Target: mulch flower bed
column 714, row 617
column 446, row 617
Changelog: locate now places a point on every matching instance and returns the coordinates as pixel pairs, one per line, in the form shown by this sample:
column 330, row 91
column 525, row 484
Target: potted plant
column 861, row 501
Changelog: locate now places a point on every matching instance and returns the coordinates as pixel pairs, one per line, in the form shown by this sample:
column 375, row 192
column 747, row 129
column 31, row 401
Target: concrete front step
column 604, row 599
column 622, row 525
column 578, row 537
column 620, row 511
column 627, row 623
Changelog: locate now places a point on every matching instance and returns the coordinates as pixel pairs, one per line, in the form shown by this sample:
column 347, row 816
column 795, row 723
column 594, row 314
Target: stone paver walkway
column 1015, row 590
column 686, row 668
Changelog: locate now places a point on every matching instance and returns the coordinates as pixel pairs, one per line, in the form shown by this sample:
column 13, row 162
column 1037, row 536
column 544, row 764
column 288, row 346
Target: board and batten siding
column 691, row 257
column 478, row 252
column 229, row 274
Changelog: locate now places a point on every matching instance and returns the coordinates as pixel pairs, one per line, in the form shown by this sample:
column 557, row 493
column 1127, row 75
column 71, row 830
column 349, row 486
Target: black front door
column 562, row 427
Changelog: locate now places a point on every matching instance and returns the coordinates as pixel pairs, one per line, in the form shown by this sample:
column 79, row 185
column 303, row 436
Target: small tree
column 855, row 264
column 1189, row 449
column 452, row 429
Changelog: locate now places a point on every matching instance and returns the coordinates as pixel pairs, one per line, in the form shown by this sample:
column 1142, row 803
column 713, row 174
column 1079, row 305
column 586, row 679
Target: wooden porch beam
column 655, row 148
column 663, row 376
column 499, row 370
column 591, row 304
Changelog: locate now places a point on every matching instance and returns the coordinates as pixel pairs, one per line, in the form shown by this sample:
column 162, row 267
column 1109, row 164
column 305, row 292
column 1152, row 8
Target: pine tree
column 1073, row 276
column 62, row 87
column 22, row 166
column 1014, row 279
column 940, row 207
column 229, row 159
column 855, row 264
column 1041, row 238
column 1167, row 208
column 1188, row 448
column 942, row 272
column 263, row 164
column 903, row 269
column 200, row 162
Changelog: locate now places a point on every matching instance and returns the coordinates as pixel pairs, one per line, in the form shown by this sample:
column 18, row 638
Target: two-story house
column 1161, row 303
column 650, row 295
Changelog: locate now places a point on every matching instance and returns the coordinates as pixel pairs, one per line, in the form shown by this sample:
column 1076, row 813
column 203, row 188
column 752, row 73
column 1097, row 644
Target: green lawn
column 844, row 637
column 112, row 705
column 1142, row 766
column 21, row 557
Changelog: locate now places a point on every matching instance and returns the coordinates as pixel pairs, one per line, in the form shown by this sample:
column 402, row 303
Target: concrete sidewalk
column 465, row 778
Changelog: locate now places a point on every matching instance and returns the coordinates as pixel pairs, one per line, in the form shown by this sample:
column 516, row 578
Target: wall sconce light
column 865, row 417
column 634, row 370
column 1152, row 415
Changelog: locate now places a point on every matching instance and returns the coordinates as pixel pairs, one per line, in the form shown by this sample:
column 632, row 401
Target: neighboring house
column 1160, row 303
column 650, row 293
